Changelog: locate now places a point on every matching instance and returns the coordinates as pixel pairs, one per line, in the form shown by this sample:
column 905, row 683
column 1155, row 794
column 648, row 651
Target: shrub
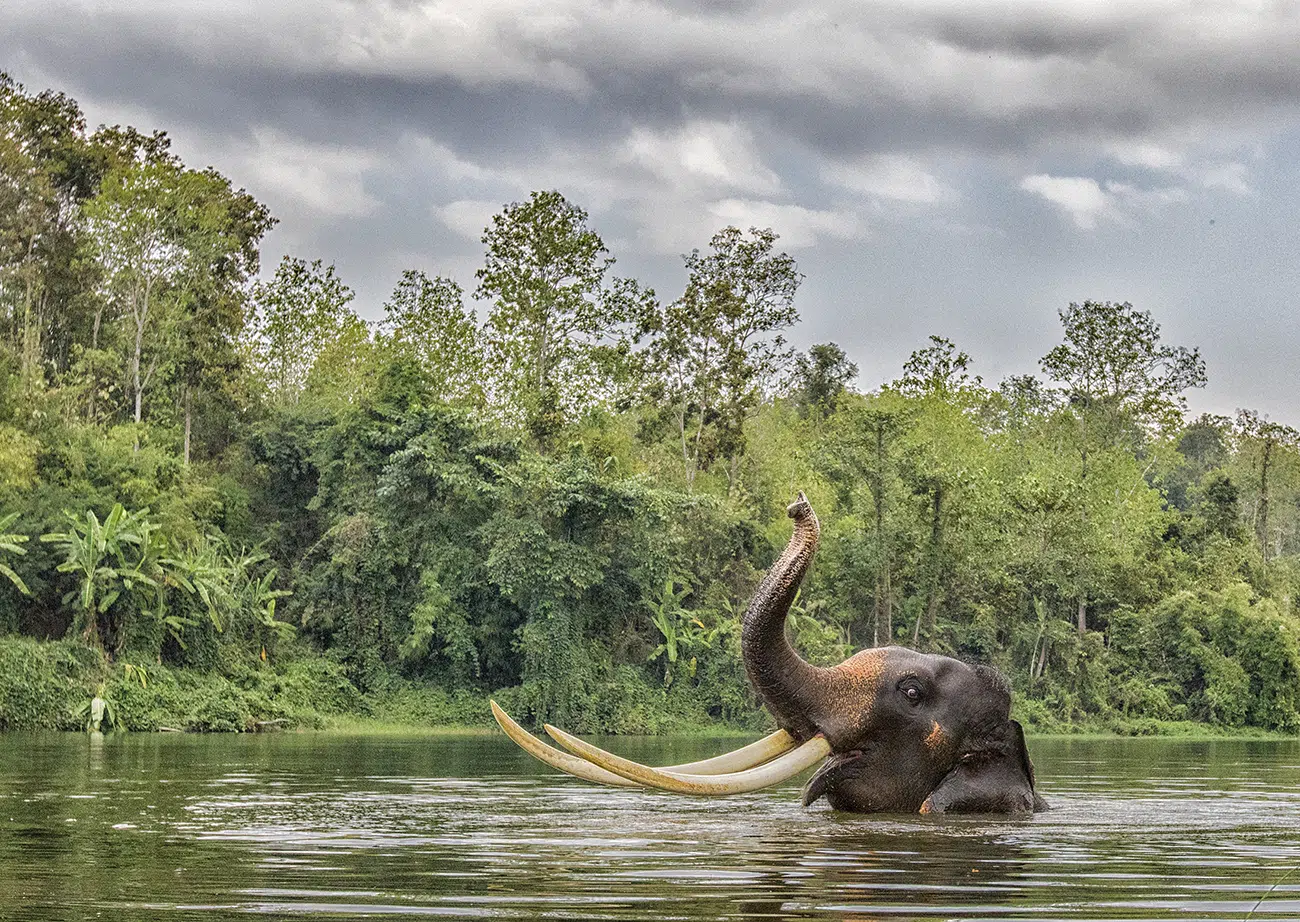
column 42, row 684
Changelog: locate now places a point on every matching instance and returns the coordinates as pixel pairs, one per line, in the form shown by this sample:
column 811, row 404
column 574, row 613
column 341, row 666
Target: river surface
column 345, row 827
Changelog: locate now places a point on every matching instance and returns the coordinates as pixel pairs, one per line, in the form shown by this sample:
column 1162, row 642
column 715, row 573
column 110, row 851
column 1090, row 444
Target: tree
column 223, row 227
column 1119, row 381
column 299, row 313
column 717, row 347
column 132, row 222
column 555, row 333
column 47, row 169
column 1112, row 361
column 820, row 376
column 1268, row 439
column 862, row 454
column 27, row 215
column 426, row 319
column 345, row 365
column 939, row 370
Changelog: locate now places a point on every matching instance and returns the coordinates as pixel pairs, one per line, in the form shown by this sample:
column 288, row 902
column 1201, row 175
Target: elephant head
column 899, row 731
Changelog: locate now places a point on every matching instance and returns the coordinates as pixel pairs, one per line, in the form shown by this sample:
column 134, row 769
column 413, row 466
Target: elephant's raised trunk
column 793, row 690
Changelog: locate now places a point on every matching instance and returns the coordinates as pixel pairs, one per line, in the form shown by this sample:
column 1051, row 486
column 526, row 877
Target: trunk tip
column 800, row 509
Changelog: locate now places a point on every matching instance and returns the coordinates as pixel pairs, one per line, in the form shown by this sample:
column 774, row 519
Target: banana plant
column 224, row 581
column 120, row 554
column 202, row 569
column 11, row 543
column 667, row 616
column 259, row 596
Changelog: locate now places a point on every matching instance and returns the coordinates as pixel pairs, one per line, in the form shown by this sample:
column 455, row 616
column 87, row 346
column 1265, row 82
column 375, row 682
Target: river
column 337, row 826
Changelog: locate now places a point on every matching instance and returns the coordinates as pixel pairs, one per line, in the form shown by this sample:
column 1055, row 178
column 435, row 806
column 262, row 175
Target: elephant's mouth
column 833, row 769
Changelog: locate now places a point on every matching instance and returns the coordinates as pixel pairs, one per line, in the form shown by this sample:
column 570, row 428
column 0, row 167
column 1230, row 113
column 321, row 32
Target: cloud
column 385, row 133
column 841, row 76
column 887, row 176
column 799, row 227
column 1191, row 159
column 1147, row 154
column 1088, row 202
column 701, row 153
column 328, row 179
column 1231, row 177
column 468, row 217
column 1081, row 197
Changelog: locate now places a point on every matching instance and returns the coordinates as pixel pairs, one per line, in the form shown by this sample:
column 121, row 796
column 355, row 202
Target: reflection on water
column 469, row 827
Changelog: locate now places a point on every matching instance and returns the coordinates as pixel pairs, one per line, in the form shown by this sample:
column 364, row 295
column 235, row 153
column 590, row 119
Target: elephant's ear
column 999, row 779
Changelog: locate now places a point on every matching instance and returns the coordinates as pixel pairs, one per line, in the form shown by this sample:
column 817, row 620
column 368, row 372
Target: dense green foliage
column 225, row 501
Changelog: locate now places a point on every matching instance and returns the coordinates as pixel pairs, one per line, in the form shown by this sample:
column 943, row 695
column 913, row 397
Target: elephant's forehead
column 868, row 666
column 883, row 663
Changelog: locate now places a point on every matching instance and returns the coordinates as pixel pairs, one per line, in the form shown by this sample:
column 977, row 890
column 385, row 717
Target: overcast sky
column 937, row 166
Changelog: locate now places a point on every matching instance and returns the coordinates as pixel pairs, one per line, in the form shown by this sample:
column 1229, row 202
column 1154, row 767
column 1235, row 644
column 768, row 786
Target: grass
column 361, row 725
column 1187, row 730
column 44, row 685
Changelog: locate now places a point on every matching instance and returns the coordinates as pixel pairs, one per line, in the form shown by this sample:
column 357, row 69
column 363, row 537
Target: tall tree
column 718, row 346
column 297, row 314
column 862, row 457
column 47, row 169
column 1112, row 361
column 556, row 331
column 138, row 242
column 1120, row 381
column 941, row 457
column 1266, row 441
column 223, row 227
column 820, row 376
column 426, row 318
column 939, row 370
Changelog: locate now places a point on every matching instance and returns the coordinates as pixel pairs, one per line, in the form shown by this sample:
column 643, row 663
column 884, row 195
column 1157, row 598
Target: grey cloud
column 412, row 114
column 838, row 76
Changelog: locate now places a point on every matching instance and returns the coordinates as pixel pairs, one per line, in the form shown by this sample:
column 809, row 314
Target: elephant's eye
column 911, row 690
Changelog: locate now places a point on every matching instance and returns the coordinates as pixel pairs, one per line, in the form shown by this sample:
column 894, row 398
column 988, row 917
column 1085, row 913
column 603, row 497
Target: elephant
column 896, row 731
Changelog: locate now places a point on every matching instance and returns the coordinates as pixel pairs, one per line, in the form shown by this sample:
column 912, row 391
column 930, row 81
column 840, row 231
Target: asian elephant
column 899, row 731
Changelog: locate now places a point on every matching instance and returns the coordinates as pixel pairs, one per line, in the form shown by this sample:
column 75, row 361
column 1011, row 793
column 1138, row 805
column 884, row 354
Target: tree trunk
column 94, row 349
column 883, row 613
column 188, row 419
column 136, row 356
column 1263, row 498
column 936, row 563
column 699, row 434
column 1083, row 614
column 31, row 345
column 889, row 610
column 686, row 451
column 875, row 614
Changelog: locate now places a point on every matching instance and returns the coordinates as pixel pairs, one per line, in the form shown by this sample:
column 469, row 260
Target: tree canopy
column 567, row 498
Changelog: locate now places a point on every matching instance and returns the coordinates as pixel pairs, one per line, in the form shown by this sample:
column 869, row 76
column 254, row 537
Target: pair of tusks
column 761, row 764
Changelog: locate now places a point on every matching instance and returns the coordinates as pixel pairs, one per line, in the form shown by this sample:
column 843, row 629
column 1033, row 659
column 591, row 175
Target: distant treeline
column 571, row 500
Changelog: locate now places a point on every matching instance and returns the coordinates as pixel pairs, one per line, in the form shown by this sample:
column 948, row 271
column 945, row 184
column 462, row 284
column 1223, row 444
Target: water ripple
column 335, row 828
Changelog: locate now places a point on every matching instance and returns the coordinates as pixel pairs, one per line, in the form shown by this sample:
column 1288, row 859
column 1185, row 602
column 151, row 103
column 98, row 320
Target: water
column 333, row 827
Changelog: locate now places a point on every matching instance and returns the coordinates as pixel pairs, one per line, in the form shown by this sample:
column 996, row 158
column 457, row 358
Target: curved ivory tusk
column 579, row 768
column 755, row 753
column 753, row 779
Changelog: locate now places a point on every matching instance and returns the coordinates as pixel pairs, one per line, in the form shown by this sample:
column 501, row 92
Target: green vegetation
column 226, row 502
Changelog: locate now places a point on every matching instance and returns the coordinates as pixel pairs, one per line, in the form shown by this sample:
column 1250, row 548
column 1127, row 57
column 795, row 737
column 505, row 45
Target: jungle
column 227, row 501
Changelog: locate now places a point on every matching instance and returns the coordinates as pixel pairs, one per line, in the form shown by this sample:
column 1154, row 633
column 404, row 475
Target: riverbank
column 1186, row 731
column 48, row 685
